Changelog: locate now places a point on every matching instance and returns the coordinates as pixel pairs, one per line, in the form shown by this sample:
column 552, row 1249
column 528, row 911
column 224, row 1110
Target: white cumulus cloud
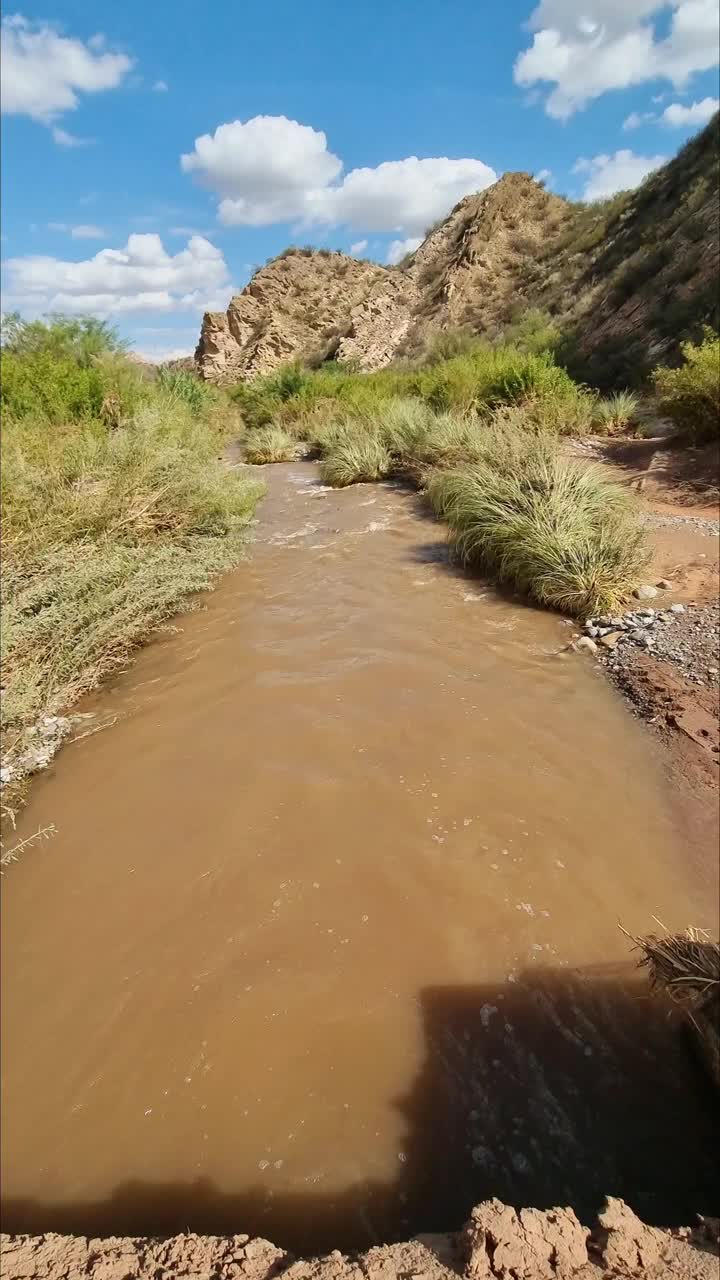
column 262, row 169
column 44, row 72
column 613, row 44
column 359, row 246
column 142, row 276
column 697, row 113
column 622, row 171
column 398, row 248
column 677, row 116
column 400, row 195
column 271, row 169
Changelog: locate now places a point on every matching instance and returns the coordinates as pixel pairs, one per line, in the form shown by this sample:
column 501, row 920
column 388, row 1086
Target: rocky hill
column 626, row 280
column 299, row 304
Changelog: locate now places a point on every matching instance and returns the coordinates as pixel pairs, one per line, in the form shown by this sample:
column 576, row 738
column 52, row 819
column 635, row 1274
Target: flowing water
column 326, row 944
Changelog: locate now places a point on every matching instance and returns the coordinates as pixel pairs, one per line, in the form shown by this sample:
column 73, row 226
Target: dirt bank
column 673, row 684
column 497, row 1243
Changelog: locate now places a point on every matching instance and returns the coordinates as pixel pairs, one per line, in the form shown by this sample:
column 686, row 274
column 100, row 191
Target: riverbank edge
column 496, row 1243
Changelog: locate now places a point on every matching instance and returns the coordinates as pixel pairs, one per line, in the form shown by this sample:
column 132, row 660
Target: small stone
column 610, row 640
column 645, row 593
column 592, row 631
column 616, row 623
column 646, row 613
column 664, row 584
column 677, row 608
column 586, row 643
column 603, row 631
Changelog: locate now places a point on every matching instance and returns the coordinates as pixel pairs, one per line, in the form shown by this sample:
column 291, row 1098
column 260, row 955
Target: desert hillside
column 626, row 279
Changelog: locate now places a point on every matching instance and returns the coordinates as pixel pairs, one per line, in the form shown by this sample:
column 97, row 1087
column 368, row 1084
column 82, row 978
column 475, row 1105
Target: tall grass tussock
column 270, row 444
column 561, row 534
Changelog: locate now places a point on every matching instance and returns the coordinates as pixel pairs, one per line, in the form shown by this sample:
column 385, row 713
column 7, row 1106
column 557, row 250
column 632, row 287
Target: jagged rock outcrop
column 627, row 279
column 298, row 305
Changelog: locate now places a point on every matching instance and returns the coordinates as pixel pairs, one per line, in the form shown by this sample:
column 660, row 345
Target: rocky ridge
column 627, row 279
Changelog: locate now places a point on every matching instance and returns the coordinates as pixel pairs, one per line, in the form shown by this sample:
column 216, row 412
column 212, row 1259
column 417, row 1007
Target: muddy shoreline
column 497, row 1243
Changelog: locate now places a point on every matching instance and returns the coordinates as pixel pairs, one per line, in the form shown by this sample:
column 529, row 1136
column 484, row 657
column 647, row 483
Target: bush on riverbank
column 690, row 395
column 107, row 528
column 472, row 382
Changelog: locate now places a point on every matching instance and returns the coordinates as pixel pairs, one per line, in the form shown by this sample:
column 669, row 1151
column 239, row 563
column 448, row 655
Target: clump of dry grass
column 686, row 966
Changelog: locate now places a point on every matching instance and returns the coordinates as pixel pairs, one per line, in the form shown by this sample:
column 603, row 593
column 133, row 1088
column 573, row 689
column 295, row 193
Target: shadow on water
column 564, row 1088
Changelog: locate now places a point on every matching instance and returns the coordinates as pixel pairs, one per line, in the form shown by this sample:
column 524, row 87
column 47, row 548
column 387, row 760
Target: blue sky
column 155, row 154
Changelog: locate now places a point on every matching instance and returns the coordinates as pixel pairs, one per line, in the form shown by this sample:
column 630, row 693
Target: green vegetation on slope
column 690, row 395
column 110, row 519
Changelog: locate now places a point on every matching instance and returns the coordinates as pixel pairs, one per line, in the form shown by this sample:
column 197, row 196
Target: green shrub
column 559, row 533
column 270, row 444
column 81, row 339
column 258, row 407
column 690, row 395
column 56, row 389
column 351, row 459
column 534, row 332
column 449, row 343
column 186, row 387
column 287, row 381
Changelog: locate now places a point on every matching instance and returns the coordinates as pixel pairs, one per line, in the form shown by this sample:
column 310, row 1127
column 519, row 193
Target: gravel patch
column 653, row 520
column 687, row 636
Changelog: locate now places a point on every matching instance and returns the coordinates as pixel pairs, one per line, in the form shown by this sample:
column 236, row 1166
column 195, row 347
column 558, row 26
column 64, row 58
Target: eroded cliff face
column 627, row 280
column 297, row 306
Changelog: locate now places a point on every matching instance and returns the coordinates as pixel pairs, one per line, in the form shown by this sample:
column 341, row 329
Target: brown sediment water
column 326, row 943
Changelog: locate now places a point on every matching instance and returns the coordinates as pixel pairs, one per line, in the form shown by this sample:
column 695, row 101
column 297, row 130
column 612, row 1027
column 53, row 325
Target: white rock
column 586, row 643
column 645, row 593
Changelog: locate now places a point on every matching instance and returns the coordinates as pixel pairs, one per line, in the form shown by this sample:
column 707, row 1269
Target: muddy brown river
column 326, row 943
